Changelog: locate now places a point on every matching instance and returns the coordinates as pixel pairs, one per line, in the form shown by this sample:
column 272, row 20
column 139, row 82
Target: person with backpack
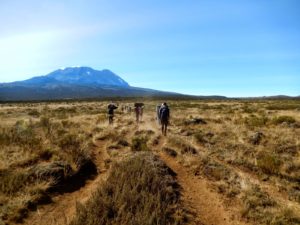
column 110, row 111
column 138, row 108
column 164, row 115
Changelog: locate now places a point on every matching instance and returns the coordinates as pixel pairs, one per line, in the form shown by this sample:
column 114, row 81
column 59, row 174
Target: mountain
column 74, row 83
column 75, row 76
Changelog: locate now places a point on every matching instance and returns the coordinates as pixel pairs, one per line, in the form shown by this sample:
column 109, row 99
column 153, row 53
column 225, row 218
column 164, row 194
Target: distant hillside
column 74, row 83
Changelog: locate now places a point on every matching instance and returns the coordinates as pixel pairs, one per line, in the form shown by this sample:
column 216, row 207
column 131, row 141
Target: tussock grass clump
column 101, row 118
column 213, row 170
column 169, row 151
column 22, row 134
column 183, row 145
column 139, row 143
column 204, row 138
column 261, row 208
column 256, row 121
column 34, row 113
column 139, row 190
column 144, row 132
column 108, row 134
column 286, row 217
column 283, row 119
column 269, row 163
column 249, row 109
column 12, row 182
column 257, row 205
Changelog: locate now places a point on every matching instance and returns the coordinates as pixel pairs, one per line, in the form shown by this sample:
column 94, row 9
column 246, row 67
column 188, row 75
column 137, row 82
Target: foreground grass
column 40, row 154
column 140, row 190
column 248, row 150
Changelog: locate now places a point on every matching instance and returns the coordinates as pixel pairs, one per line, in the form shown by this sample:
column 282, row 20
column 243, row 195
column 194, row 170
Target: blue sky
column 203, row 47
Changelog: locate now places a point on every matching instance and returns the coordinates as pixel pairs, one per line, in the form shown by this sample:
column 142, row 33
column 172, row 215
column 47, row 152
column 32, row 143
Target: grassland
column 222, row 162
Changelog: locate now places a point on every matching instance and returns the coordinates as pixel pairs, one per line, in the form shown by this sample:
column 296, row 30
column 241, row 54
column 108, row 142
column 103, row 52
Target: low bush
column 139, row 190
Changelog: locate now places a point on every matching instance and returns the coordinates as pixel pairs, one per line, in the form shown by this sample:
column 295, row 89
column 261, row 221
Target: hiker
column 164, row 115
column 110, row 111
column 157, row 114
column 138, row 108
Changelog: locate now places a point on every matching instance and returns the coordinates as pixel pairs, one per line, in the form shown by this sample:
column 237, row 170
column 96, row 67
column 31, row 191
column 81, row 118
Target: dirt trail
column 205, row 205
column 63, row 208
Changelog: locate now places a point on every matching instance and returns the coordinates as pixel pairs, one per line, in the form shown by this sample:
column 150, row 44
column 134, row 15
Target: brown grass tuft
column 139, row 190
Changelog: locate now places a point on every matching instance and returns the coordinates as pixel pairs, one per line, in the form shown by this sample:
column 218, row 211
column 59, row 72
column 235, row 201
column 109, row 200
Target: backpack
column 164, row 113
column 111, row 111
column 111, row 108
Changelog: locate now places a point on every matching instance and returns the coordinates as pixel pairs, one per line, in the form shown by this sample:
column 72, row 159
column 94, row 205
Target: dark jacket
column 164, row 113
column 111, row 108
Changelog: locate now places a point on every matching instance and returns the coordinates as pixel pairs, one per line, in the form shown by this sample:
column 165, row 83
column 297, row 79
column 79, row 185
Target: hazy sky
column 203, row 47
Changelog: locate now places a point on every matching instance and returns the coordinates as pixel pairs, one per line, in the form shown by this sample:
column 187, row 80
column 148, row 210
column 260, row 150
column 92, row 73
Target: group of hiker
column 162, row 114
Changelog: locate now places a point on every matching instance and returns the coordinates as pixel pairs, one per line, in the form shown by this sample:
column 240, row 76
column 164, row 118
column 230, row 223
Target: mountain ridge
column 75, row 75
column 74, row 83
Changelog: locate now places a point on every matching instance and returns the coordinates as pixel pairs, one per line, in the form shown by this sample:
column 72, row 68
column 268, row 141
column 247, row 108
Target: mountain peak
column 87, row 76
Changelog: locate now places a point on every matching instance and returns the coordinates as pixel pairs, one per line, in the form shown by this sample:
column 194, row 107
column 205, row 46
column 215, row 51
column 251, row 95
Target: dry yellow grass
column 247, row 151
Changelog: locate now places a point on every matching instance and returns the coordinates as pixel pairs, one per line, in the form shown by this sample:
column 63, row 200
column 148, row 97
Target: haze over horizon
column 238, row 48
